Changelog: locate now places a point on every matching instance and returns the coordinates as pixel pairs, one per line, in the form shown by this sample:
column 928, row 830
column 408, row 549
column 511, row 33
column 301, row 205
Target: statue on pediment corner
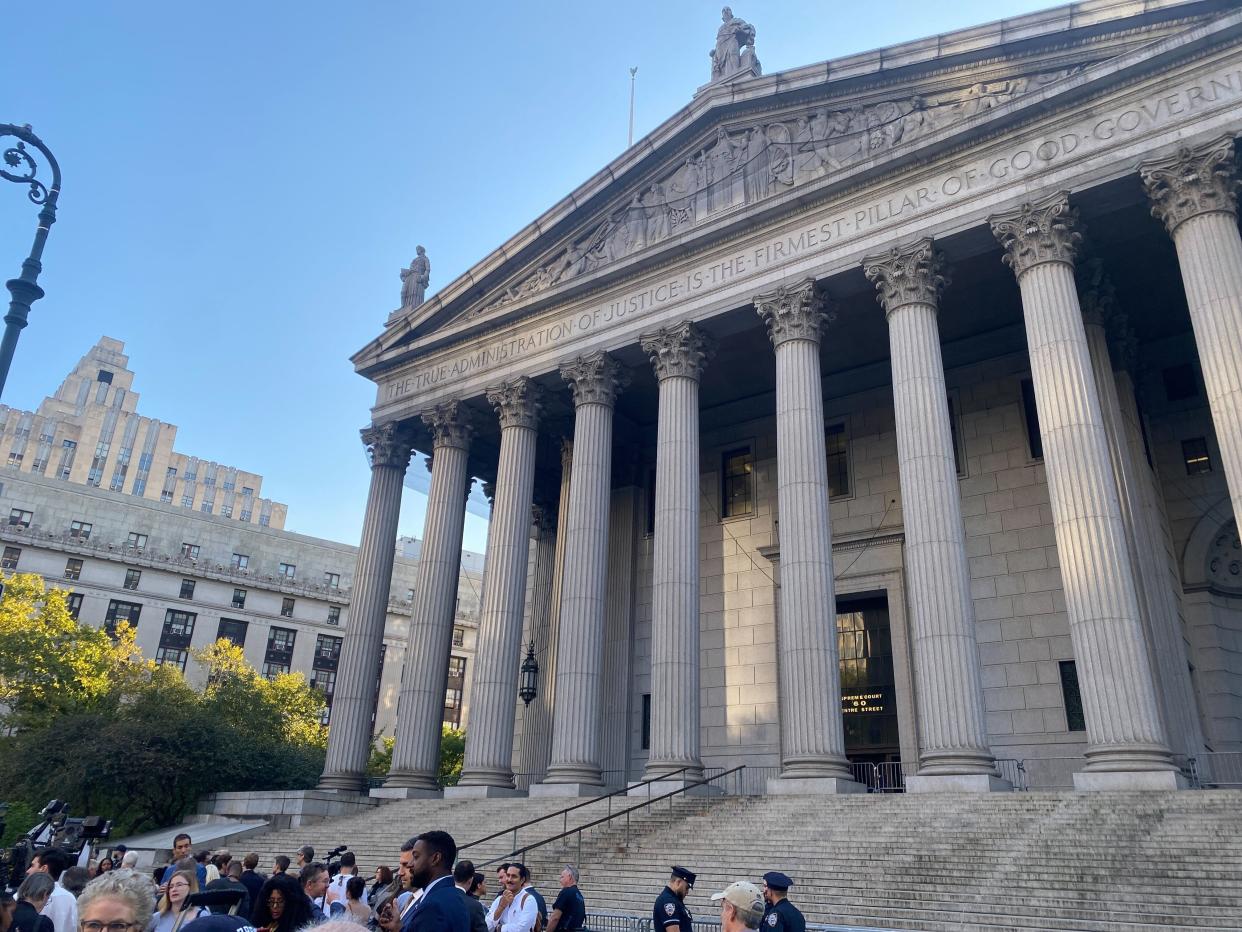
column 735, row 47
column 415, row 279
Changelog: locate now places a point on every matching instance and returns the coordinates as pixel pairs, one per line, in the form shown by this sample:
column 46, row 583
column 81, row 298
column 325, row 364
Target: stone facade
column 1015, row 479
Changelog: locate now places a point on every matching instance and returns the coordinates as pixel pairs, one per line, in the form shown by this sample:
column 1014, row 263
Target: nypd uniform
column 784, row 916
column 669, row 909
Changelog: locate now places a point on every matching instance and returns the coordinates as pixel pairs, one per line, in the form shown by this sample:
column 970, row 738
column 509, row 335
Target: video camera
column 333, row 860
column 55, row 830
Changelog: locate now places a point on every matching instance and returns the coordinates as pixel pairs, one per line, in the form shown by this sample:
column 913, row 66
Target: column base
column 343, row 782
column 404, row 792
column 482, row 792
column 812, row 786
column 1097, row 781
column 660, row 787
column 957, row 783
column 566, row 789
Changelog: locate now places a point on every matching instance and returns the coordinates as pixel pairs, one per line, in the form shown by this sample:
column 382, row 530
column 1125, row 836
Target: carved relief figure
column 732, row 37
column 756, row 172
column 657, row 217
column 415, row 279
column 635, row 225
column 780, row 153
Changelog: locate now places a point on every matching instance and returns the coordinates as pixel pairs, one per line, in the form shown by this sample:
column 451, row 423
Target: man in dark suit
column 441, row 908
column 467, row 881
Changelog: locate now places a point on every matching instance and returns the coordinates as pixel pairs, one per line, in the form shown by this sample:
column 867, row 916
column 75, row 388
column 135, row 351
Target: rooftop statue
column 735, row 47
column 415, row 279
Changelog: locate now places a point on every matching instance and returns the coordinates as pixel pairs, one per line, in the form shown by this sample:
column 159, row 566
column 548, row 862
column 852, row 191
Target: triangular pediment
column 744, row 149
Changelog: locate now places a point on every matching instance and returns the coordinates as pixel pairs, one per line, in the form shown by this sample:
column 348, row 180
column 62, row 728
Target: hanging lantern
column 529, row 682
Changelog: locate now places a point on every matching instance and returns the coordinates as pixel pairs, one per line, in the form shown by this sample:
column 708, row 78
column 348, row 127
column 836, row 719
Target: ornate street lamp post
column 528, row 685
column 20, row 166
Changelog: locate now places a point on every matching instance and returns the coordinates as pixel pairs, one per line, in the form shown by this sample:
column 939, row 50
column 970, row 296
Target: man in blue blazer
column 430, row 859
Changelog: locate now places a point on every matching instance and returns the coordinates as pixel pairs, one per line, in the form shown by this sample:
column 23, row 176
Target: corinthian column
column 488, row 767
column 953, row 739
column 349, row 735
column 1195, row 194
column 575, row 767
column 809, row 673
column 1126, row 744
column 416, row 753
column 678, row 354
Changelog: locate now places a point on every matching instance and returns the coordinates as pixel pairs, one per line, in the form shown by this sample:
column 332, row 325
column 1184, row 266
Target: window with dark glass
column 837, row 447
column 334, row 614
column 172, row 656
column 20, row 518
column 132, row 578
column 646, row 727
column 272, row 670
column 288, row 570
column 1030, row 416
column 1196, row 456
column 459, row 636
column 121, row 611
column 240, row 561
column 1074, row 718
column 80, row 530
column 178, row 629
column 332, row 580
column 737, row 475
column 327, row 652
column 136, row 541
column 868, row 691
column 11, row 556
column 73, row 568
column 324, row 681
column 190, row 551
column 74, row 604
column 286, row 607
column 239, row 598
column 187, row 589
column 279, row 654
column 232, row 629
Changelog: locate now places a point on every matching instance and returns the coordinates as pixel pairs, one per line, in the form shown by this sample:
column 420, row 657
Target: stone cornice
column 679, row 351
column 797, row 312
column 450, row 425
column 912, row 274
column 517, row 402
column 388, row 445
column 1192, row 182
column 595, row 378
column 1041, row 231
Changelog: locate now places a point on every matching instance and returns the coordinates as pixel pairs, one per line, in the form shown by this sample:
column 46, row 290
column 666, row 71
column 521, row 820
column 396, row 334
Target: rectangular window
column 273, row 670
column 327, row 652
column 80, row 530
column 334, row 614
column 646, row 737
column 264, row 520
column 409, row 595
column 187, row 589
column 239, row 598
column 245, row 516
column 15, row 459
column 280, row 643
column 459, row 636
column 67, row 451
column 1030, row 414
column 457, row 669
column 190, row 551
column 324, row 681
column 187, row 501
column 131, row 579
column 121, row 611
column 171, row 656
column 226, row 511
column 1195, row 453
column 286, row 607
column 136, row 541
column 240, row 561
column 19, row 518
column 247, row 492
column 73, row 569
column 232, row 629
column 288, row 570
column 207, row 508
column 74, row 604
column 178, row 629
column 166, row 497
column 838, row 447
column 1074, row 718
column 332, row 580
column 737, row 482
column 11, row 556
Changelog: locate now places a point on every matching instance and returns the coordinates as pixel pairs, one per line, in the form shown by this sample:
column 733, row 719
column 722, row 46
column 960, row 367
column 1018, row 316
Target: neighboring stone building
column 1015, row 479
column 185, row 577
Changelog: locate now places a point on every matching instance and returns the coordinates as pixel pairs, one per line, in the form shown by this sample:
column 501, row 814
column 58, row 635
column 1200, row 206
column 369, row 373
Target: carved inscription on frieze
column 830, row 228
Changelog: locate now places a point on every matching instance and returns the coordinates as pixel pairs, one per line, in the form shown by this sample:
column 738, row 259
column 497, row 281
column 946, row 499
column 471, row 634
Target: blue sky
column 243, row 182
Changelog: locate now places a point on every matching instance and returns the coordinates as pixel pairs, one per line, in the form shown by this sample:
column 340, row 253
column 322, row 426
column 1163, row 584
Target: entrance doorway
column 868, row 691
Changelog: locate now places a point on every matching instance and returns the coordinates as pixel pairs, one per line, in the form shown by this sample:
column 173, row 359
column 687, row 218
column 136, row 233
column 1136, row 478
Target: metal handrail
column 564, row 813
column 608, row 818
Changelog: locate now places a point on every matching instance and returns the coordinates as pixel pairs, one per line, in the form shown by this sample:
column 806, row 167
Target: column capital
column 595, row 378
column 681, row 350
column 450, row 425
column 1192, row 181
column 543, row 517
column 1041, row 231
column 388, row 444
column 912, row 274
column 1096, row 293
column 795, row 312
column 517, row 402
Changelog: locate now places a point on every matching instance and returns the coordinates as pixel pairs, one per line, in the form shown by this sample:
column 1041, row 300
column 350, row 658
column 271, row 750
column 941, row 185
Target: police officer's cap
column 687, row 876
column 777, row 881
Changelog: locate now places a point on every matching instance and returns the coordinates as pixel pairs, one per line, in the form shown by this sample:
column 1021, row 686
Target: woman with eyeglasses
column 282, row 906
column 171, row 916
column 119, row 901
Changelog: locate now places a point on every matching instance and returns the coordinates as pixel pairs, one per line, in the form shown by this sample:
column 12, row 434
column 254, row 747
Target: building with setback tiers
column 198, row 555
column 901, row 407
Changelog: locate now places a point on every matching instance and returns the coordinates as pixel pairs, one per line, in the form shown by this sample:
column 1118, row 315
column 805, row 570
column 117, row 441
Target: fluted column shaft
column 1114, row 676
column 809, row 671
column 952, row 727
column 1194, row 193
column 678, row 355
column 416, row 752
column 531, row 759
column 580, row 649
column 489, row 740
column 349, row 734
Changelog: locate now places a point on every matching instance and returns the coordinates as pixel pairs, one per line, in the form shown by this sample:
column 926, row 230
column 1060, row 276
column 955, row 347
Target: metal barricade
column 607, row 921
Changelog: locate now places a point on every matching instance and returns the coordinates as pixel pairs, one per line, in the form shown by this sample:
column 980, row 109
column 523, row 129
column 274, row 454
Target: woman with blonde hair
column 171, row 916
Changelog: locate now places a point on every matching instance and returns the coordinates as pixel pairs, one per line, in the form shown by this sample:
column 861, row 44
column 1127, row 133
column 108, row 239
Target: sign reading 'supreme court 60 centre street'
column 1090, row 136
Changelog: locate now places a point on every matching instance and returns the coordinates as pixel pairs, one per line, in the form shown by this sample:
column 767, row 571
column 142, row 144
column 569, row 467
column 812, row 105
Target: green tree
column 452, row 754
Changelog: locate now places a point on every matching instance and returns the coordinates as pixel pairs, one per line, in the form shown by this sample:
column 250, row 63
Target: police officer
column 780, row 914
column 670, row 908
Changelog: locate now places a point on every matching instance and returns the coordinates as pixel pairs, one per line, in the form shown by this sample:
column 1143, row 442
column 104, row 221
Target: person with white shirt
column 62, row 906
column 515, row 910
column 336, row 889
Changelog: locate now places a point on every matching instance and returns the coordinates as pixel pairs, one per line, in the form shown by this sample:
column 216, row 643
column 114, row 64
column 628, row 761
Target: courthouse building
column 198, row 560
column 885, row 409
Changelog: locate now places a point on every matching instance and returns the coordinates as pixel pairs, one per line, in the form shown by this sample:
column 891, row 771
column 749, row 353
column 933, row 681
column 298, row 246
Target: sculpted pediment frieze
column 742, row 164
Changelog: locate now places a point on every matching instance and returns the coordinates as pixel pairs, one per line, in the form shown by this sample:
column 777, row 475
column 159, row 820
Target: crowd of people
column 431, row 891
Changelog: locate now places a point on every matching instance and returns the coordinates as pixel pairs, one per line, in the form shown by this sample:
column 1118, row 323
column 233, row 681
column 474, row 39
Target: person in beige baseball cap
column 741, row 906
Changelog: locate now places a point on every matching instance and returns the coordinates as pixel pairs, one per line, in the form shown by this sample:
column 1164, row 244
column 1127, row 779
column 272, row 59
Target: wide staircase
column 1057, row 861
